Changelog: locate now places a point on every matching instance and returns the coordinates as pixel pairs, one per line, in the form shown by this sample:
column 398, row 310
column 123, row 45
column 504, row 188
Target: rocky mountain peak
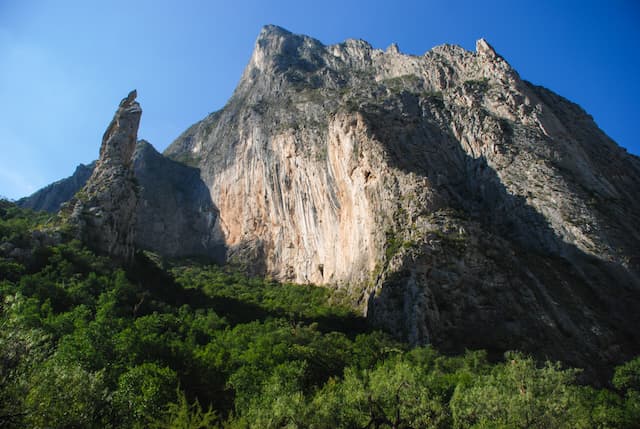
column 271, row 31
column 393, row 49
column 119, row 140
column 484, row 48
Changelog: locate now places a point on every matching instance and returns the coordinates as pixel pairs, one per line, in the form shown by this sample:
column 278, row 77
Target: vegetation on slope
column 86, row 344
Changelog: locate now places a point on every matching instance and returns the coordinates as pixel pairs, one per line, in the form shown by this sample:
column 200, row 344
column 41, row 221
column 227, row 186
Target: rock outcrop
column 103, row 211
column 175, row 216
column 459, row 204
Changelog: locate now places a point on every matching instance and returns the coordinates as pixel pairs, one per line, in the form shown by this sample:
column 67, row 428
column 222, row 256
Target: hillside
column 86, row 343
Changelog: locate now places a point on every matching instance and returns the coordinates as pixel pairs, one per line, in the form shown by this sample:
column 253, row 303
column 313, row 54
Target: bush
column 85, row 344
column 143, row 393
column 518, row 394
column 63, row 394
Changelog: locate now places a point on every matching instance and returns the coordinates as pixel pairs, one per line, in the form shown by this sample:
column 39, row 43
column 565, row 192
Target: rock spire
column 104, row 210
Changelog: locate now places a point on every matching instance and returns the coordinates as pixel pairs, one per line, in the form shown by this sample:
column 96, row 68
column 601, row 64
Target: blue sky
column 64, row 65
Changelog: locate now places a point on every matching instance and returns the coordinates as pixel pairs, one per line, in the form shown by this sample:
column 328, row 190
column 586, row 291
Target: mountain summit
column 456, row 203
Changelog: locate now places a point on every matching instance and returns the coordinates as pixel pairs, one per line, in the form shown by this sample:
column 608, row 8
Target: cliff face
column 103, row 212
column 312, row 129
column 175, row 215
column 458, row 203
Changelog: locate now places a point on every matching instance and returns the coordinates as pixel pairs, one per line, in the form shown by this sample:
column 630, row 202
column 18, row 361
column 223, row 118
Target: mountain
column 454, row 202
column 458, row 203
column 52, row 196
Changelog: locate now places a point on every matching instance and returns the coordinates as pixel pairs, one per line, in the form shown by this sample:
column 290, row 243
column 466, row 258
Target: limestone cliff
column 458, row 203
column 103, row 211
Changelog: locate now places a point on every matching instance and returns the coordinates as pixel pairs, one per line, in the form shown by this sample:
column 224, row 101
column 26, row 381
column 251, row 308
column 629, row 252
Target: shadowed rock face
column 51, row 197
column 104, row 210
column 175, row 215
column 458, row 203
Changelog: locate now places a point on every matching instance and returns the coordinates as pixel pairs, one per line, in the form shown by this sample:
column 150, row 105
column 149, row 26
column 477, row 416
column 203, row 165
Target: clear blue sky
column 64, row 65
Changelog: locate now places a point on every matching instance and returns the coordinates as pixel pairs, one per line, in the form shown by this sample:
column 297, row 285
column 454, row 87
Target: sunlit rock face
column 457, row 203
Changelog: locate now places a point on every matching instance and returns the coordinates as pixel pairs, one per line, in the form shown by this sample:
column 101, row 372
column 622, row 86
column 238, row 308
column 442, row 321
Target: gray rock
column 393, row 49
column 484, row 48
column 103, row 212
column 175, row 214
column 51, row 197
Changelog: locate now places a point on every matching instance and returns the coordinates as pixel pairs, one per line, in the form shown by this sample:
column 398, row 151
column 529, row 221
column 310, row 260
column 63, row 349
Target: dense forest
column 85, row 343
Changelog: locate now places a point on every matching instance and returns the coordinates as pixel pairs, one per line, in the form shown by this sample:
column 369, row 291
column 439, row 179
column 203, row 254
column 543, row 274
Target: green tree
column 627, row 379
column 21, row 350
column 281, row 402
column 143, row 393
column 518, row 394
column 64, row 395
column 599, row 408
column 183, row 415
column 393, row 395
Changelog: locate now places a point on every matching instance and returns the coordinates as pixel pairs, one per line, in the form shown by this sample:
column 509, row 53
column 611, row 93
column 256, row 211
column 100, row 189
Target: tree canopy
column 85, row 343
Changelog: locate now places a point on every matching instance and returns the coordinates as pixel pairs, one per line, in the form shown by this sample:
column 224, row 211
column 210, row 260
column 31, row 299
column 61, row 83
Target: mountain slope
column 175, row 216
column 52, row 196
column 460, row 204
